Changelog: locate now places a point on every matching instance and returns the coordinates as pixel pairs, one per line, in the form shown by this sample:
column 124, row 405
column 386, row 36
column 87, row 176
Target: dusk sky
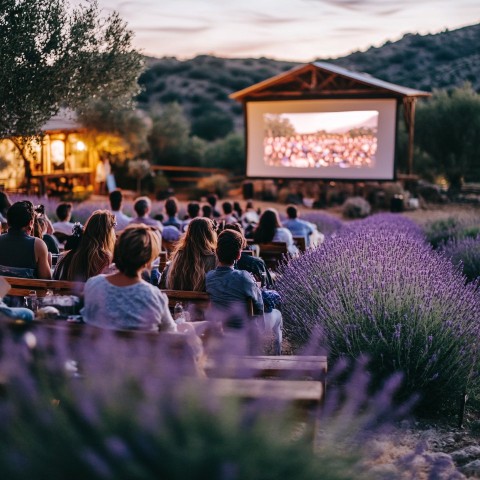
column 298, row 30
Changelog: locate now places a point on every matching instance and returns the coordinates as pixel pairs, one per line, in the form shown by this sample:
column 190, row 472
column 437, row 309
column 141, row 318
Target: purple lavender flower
column 378, row 274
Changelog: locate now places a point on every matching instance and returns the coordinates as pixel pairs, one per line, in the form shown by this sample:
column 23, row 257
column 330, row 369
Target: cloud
column 373, row 7
column 260, row 18
column 174, row 29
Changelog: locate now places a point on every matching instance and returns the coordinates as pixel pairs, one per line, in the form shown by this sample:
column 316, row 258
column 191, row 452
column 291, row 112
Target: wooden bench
column 301, row 243
column 199, row 299
column 21, row 287
column 273, row 253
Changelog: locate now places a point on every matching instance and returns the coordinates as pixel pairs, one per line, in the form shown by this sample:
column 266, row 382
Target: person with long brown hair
column 123, row 300
column 192, row 258
column 94, row 252
column 270, row 229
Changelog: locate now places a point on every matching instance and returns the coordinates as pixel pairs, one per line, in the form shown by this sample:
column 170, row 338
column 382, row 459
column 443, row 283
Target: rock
column 472, row 468
column 466, row 454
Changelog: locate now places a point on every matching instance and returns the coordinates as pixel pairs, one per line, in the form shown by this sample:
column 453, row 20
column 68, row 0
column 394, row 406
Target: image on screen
column 321, row 139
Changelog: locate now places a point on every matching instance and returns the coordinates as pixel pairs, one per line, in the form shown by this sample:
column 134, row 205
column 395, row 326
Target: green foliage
column 441, row 231
column 217, row 184
column 448, row 130
column 443, row 60
column 54, row 56
column 212, row 125
column 169, row 135
column 228, row 153
column 132, row 125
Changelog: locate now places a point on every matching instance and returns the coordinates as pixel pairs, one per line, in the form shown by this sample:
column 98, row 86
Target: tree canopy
column 54, row 56
column 448, row 130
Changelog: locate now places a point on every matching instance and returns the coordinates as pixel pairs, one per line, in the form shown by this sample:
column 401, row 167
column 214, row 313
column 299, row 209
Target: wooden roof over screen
column 324, row 80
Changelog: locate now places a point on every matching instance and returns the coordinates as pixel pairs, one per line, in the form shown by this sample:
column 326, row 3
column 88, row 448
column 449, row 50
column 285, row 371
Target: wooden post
column 409, row 115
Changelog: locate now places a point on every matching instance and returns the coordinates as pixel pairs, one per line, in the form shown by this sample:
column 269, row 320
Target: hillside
column 202, row 85
column 444, row 60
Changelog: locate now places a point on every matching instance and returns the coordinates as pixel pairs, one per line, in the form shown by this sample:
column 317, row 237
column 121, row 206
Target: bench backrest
column 21, row 287
column 273, row 253
column 300, row 243
column 199, row 299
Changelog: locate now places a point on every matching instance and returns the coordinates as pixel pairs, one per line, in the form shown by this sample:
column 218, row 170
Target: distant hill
column 202, row 85
column 444, row 60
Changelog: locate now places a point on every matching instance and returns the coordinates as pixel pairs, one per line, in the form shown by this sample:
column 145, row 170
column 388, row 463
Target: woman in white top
column 123, row 300
column 270, row 229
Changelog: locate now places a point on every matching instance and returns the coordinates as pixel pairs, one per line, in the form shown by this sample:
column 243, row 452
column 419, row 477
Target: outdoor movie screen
column 332, row 139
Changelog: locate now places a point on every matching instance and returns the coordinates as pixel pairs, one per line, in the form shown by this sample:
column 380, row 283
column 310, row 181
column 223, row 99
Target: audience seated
column 228, row 215
column 207, row 211
column 299, row 228
column 40, row 229
column 238, row 210
column 228, row 287
column 5, row 204
column 21, row 254
column 64, row 214
column 250, row 219
column 270, row 229
column 116, row 204
column 143, row 207
column 193, row 210
column 212, row 201
column 171, row 208
column 94, row 252
column 192, row 258
column 255, row 265
column 123, row 300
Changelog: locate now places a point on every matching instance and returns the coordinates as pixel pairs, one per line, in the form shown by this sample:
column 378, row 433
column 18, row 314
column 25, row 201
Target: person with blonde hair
column 123, row 300
column 94, row 252
column 192, row 258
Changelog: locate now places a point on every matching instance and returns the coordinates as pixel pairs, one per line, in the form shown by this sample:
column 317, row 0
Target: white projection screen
column 330, row 139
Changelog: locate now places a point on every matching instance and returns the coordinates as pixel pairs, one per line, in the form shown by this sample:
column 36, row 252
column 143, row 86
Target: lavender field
column 393, row 302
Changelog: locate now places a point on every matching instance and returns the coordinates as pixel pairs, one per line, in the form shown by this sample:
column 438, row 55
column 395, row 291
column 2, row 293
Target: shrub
column 356, row 207
column 132, row 415
column 464, row 253
column 214, row 184
column 326, row 223
column 386, row 294
column 439, row 232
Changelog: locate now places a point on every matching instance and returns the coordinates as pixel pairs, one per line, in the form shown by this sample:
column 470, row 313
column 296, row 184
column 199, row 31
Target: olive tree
column 53, row 55
column 448, row 130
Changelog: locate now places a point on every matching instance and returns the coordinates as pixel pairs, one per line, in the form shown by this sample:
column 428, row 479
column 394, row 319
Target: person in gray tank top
column 21, row 254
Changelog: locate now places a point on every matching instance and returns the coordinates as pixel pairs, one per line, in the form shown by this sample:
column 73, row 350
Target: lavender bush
column 102, row 407
column 326, row 224
column 388, row 295
column 439, row 232
column 464, row 252
column 390, row 223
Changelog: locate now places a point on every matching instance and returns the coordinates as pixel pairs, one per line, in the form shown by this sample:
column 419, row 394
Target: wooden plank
column 22, row 286
column 200, row 299
column 300, row 243
column 176, row 168
column 268, row 366
column 301, row 392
